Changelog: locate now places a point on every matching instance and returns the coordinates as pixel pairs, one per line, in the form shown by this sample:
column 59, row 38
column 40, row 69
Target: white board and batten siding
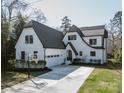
column 81, row 46
column 29, row 48
column 54, row 56
column 37, row 46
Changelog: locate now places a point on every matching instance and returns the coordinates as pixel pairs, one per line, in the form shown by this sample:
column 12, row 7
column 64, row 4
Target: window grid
column 29, row 39
column 92, row 53
column 92, row 41
column 81, row 53
column 72, row 37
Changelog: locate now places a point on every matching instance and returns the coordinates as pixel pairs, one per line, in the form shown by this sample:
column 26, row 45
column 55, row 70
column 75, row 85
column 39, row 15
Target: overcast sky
column 81, row 12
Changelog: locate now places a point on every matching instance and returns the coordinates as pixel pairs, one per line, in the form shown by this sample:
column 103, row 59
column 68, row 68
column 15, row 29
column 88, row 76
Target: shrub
column 78, row 60
column 11, row 64
column 95, row 60
column 24, row 64
column 42, row 63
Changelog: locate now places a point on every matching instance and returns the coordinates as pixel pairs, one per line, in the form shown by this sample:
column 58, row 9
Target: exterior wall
column 69, row 48
column 29, row 48
column 105, row 50
column 81, row 46
column 52, row 61
column 98, row 38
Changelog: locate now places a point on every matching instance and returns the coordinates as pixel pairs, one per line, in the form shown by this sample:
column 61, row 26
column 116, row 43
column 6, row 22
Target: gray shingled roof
column 95, row 31
column 49, row 37
column 92, row 27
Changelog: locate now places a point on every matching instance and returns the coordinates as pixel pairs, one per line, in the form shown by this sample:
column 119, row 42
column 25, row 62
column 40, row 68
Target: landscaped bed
column 104, row 79
column 10, row 78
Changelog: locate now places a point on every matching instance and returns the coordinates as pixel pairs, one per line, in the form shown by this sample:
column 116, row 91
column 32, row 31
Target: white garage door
column 54, row 60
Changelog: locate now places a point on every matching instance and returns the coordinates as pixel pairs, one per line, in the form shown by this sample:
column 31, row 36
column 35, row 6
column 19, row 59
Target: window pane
column 81, row 53
column 92, row 53
column 26, row 39
column 31, row 39
column 68, row 37
column 22, row 54
column 71, row 37
column 92, row 41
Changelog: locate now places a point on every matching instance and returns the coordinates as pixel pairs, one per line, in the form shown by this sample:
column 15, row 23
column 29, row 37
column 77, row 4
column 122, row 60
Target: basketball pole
column 28, row 68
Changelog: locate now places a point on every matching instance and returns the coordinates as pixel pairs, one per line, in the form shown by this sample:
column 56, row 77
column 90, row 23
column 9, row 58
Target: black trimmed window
column 29, row 39
column 35, row 54
column 22, row 54
column 92, row 53
column 92, row 41
column 72, row 37
column 81, row 53
column 26, row 40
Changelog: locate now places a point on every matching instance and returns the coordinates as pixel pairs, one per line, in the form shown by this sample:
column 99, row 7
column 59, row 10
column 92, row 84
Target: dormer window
column 92, row 41
column 72, row 37
column 29, row 39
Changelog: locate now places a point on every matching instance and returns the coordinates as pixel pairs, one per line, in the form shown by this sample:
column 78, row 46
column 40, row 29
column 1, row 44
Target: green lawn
column 11, row 78
column 104, row 79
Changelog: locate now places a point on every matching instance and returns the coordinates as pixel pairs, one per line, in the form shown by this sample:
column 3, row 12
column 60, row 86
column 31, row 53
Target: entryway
column 69, row 55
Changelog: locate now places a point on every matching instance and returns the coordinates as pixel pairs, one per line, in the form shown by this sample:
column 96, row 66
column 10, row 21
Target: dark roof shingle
column 92, row 27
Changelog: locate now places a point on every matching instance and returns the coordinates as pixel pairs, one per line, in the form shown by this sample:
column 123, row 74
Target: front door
column 69, row 57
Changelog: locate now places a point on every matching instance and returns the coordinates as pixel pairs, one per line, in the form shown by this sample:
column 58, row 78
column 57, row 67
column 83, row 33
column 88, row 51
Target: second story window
column 92, row 41
column 29, row 39
column 72, row 37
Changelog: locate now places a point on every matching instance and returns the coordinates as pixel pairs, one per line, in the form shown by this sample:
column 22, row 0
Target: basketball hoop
column 34, row 58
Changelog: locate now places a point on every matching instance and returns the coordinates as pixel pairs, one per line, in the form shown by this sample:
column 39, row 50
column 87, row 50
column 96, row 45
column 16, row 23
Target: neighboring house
column 86, row 43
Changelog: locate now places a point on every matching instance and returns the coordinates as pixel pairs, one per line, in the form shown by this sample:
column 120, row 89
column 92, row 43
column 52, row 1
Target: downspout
column 44, row 54
column 106, row 50
column 103, row 56
column 103, row 50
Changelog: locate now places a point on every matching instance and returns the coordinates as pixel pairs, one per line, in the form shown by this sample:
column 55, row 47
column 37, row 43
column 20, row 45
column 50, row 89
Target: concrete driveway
column 63, row 79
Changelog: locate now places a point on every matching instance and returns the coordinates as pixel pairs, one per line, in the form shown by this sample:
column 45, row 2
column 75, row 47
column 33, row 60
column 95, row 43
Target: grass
column 104, row 79
column 10, row 78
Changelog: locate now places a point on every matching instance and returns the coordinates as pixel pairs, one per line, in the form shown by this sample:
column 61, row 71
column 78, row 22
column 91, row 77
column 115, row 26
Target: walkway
column 63, row 79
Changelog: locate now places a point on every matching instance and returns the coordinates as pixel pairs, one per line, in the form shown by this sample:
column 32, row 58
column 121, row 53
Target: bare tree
column 14, row 14
column 115, row 34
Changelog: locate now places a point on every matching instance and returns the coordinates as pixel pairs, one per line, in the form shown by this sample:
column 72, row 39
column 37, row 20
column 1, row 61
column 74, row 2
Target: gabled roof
column 49, row 37
column 74, row 28
column 73, row 48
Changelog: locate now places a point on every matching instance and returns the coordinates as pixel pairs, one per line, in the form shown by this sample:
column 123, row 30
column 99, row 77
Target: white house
column 86, row 43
